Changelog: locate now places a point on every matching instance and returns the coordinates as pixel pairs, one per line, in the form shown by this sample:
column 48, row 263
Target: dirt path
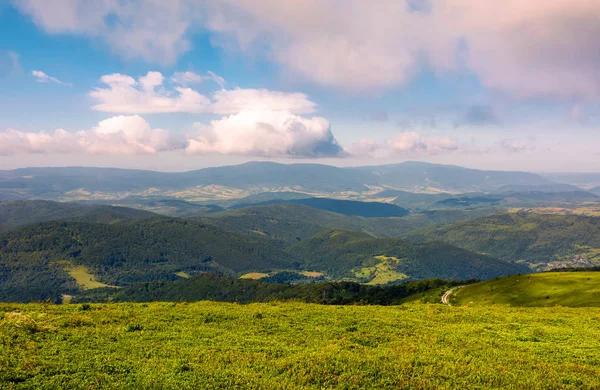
column 448, row 293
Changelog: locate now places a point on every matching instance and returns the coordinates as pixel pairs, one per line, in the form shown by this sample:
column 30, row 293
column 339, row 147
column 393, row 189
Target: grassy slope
column 294, row 345
column 572, row 289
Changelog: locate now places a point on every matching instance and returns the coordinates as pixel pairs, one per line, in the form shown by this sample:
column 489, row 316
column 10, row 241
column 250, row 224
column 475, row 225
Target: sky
column 185, row 84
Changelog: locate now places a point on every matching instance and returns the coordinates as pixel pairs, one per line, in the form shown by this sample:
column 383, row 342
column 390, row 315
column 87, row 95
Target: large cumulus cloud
column 267, row 134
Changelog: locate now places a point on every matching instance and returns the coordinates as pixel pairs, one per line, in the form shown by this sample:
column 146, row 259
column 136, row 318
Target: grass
column 384, row 271
column 296, row 345
column 84, row 278
column 182, row 274
column 254, row 275
column 311, row 274
column 571, row 289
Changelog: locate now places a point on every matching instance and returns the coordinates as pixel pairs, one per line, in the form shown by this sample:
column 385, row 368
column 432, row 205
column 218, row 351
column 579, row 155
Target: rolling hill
column 290, row 223
column 35, row 260
column 547, row 289
column 18, row 213
column 344, row 254
column 345, row 207
column 544, row 241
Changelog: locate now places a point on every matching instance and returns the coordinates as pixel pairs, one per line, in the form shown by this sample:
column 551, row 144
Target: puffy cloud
column 267, row 134
column 17, row 142
column 126, row 95
column 236, row 100
column 42, row 77
column 248, row 133
column 116, row 135
column 411, row 141
column 148, row 94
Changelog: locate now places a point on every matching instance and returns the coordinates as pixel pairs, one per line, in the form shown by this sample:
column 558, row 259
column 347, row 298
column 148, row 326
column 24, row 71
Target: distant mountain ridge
column 254, row 177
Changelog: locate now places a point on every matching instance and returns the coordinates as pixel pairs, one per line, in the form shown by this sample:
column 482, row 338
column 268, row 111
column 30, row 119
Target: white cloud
column 411, row 141
column 42, row 77
column 522, row 48
column 217, row 79
column 124, row 94
column 116, row 135
column 267, row 134
column 155, row 30
column 187, row 78
column 248, row 133
column 236, row 100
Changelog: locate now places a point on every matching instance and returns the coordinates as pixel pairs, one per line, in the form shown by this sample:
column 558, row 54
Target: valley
column 359, row 280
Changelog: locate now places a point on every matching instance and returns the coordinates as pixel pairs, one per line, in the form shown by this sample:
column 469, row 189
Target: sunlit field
column 294, row 345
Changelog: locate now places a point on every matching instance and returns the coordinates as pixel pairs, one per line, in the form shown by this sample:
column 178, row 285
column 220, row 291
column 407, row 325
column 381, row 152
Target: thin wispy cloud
column 42, row 77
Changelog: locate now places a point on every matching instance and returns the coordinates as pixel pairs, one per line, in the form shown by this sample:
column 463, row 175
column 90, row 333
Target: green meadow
column 571, row 289
column 297, row 345
column 84, row 278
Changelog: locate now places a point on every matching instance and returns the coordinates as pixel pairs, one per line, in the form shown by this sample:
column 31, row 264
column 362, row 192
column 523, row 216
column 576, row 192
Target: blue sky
column 104, row 83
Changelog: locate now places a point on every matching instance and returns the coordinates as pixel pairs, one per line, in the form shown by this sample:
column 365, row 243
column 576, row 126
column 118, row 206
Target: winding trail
column 447, row 295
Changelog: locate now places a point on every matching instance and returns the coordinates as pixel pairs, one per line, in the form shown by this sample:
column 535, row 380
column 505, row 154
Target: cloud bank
column 522, row 48
column 116, row 135
column 248, row 133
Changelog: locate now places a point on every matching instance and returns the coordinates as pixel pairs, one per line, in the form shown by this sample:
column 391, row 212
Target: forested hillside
column 223, row 288
column 351, row 254
column 345, row 207
column 35, row 258
column 290, row 223
column 17, row 213
column 539, row 239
